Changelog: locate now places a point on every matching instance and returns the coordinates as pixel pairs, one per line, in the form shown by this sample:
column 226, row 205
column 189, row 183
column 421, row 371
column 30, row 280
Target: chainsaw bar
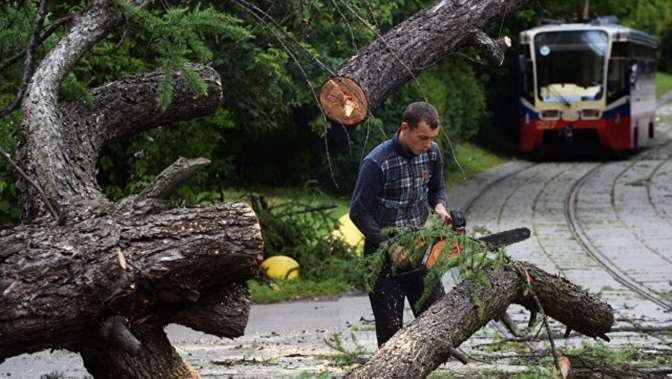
column 505, row 238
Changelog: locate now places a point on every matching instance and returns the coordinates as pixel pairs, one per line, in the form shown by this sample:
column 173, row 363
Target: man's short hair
column 421, row 111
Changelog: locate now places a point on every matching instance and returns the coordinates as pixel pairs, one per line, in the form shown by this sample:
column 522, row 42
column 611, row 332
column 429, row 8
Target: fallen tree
column 431, row 339
column 103, row 278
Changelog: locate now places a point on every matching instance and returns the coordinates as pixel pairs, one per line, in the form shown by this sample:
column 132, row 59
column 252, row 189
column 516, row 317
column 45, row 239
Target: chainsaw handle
column 459, row 221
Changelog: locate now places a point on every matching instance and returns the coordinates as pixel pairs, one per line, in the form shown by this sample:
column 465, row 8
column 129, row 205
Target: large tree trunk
column 405, row 51
column 429, row 340
column 104, row 278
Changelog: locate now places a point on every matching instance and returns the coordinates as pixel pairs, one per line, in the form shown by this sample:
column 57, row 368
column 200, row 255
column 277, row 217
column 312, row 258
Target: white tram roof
column 617, row 33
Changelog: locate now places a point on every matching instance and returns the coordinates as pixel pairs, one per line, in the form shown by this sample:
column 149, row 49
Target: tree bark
column 427, row 341
column 59, row 282
column 405, row 51
column 108, row 276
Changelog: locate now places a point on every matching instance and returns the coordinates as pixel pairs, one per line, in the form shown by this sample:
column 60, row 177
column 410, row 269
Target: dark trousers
column 387, row 300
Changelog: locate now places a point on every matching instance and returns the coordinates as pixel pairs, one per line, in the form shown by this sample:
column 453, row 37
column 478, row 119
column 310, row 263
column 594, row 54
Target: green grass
column 297, row 290
column 663, row 83
column 473, row 159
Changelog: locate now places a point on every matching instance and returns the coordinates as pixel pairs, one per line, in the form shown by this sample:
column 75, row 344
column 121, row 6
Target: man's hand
column 399, row 256
column 443, row 214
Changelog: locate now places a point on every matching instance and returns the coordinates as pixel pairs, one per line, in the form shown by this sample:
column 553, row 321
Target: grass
column 663, row 83
column 473, row 159
column 296, row 290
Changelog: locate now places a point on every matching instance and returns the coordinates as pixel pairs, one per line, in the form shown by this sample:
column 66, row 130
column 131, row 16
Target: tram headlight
column 590, row 113
column 617, row 118
column 527, row 119
column 551, row 114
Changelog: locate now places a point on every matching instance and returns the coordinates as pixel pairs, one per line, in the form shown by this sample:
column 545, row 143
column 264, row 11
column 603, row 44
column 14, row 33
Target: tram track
column 577, row 232
column 591, row 249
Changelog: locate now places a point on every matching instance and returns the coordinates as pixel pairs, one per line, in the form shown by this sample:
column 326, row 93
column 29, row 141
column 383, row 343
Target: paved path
column 606, row 226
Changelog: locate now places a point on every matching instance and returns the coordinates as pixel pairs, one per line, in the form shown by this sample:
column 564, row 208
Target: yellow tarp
column 348, row 232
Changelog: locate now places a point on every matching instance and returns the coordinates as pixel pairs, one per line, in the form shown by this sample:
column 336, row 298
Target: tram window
column 619, row 50
column 617, row 80
column 526, row 73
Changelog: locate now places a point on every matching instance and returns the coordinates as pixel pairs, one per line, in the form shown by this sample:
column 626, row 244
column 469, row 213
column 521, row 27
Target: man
column 396, row 183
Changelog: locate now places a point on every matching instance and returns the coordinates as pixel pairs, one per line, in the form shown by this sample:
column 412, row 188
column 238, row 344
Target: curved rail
column 601, row 258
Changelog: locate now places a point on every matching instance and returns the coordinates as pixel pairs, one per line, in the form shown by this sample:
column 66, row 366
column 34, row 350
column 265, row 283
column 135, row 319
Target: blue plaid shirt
column 394, row 188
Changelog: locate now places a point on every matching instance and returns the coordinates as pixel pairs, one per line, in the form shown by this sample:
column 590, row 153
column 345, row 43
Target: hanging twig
column 15, row 58
column 248, row 7
column 526, row 275
column 45, row 199
column 28, row 62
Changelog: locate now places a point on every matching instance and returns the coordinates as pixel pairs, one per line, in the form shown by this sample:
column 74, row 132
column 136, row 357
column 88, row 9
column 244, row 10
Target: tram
column 587, row 84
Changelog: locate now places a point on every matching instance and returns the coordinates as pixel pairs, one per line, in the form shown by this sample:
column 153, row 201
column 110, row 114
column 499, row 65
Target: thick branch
column 122, row 265
column 129, row 106
column 427, row 341
column 493, row 50
column 404, row 52
column 223, row 312
column 167, row 182
column 43, row 151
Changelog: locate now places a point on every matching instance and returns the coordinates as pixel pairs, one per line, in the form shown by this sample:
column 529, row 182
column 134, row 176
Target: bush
column 302, row 231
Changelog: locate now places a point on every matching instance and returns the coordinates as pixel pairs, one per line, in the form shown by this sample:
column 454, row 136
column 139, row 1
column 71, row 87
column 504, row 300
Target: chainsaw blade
column 506, row 237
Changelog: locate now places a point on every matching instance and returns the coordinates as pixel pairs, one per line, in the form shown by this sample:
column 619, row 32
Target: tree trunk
column 104, row 278
column 429, row 340
column 157, row 359
column 405, row 51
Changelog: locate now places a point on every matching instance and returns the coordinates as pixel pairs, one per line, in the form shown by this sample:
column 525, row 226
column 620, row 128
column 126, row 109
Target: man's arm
column 437, row 190
column 363, row 206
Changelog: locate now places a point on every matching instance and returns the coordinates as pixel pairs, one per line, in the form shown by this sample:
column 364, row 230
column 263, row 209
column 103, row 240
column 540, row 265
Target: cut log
column 405, row 51
column 419, row 348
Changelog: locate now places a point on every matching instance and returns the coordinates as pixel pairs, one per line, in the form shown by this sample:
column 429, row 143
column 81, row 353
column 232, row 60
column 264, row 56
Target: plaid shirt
column 394, row 188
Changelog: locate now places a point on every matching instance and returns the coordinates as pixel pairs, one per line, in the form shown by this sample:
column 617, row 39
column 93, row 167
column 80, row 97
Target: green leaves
column 473, row 257
column 178, row 36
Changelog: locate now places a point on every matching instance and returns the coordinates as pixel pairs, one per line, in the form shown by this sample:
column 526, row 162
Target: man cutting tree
column 398, row 182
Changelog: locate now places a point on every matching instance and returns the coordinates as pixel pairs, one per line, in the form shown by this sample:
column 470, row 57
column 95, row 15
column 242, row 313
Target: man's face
column 417, row 140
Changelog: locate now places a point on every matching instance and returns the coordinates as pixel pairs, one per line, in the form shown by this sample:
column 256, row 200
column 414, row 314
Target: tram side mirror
column 522, row 63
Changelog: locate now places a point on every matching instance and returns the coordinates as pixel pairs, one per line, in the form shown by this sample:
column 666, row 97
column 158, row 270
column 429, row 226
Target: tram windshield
column 570, row 65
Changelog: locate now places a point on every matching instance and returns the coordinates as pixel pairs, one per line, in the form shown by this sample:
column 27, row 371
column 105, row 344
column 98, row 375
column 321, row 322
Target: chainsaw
column 459, row 223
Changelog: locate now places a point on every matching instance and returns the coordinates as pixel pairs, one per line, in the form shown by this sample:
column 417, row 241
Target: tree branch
column 167, row 182
column 493, row 50
column 404, row 52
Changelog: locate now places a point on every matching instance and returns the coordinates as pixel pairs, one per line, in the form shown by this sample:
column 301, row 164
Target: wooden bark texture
column 58, row 284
